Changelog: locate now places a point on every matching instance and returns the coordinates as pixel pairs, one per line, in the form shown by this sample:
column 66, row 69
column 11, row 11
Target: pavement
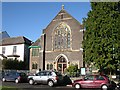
column 75, row 78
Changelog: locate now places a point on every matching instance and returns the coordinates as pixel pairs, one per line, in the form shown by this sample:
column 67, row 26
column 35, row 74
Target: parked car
column 14, row 76
column 118, row 86
column 46, row 77
column 93, row 81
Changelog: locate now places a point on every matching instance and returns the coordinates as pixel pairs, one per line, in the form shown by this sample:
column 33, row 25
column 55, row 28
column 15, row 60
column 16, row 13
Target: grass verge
column 8, row 88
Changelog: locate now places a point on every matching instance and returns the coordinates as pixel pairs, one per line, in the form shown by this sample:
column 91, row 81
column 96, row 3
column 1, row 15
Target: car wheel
column 3, row 79
column 77, row 86
column 104, row 87
column 50, row 83
column 16, row 81
column 31, row 81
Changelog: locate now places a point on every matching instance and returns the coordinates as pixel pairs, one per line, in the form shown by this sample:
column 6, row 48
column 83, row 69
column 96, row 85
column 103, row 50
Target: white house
column 15, row 48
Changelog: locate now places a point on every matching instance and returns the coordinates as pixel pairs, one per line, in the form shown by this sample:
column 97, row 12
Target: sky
column 30, row 18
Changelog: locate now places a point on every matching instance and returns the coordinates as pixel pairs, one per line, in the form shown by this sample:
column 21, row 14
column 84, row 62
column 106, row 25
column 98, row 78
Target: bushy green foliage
column 13, row 64
column 72, row 70
column 102, row 36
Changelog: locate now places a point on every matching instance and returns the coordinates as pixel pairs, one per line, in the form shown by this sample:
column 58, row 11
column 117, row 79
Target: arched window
column 61, row 60
column 49, row 66
column 34, row 65
column 62, row 37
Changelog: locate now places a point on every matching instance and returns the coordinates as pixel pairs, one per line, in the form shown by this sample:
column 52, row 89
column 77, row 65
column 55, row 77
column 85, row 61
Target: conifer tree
column 101, row 42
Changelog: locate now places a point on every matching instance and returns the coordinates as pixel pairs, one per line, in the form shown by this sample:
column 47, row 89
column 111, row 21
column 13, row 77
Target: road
column 26, row 86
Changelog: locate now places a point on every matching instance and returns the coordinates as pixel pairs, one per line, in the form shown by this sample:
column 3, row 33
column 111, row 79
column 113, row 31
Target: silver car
column 46, row 77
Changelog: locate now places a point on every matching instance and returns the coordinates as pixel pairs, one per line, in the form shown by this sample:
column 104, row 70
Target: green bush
column 13, row 64
column 72, row 70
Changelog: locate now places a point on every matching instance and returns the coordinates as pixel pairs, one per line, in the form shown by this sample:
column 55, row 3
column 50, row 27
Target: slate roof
column 4, row 34
column 37, row 42
column 16, row 40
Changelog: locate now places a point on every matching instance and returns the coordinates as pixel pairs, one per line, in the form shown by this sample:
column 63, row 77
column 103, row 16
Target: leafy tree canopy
column 102, row 35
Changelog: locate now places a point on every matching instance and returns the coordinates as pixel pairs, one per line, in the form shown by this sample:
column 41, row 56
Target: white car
column 46, row 77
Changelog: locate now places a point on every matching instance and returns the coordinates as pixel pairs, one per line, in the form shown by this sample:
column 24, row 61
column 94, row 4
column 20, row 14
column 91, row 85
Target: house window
column 3, row 50
column 62, row 37
column 14, row 50
column 35, row 52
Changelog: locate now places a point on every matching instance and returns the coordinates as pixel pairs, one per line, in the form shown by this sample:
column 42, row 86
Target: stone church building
column 59, row 46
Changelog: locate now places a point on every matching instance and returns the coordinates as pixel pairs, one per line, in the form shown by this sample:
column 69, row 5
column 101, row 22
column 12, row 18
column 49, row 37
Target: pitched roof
column 37, row 42
column 16, row 40
column 4, row 34
column 66, row 15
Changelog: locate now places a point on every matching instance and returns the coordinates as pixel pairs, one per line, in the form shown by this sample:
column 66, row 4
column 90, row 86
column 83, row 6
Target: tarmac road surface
column 26, row 86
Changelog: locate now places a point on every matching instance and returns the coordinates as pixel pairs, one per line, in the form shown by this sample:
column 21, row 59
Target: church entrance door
column 61, row 64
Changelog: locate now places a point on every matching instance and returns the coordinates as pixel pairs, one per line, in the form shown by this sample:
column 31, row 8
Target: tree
column 101, row 42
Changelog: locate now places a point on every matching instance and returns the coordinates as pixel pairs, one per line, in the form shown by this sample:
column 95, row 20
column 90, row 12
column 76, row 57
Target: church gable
column 65, row 19
column 62, row 15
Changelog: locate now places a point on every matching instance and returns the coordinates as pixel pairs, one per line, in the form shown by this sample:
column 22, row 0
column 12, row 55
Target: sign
column 83, row 71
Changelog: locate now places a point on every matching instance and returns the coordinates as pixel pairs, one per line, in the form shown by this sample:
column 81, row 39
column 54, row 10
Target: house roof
column 36, row 44
column 4, row 34
column 16, row 40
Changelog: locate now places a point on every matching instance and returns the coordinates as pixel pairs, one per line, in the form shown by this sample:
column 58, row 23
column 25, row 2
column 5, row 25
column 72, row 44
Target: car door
column 37, row 77
column 44, row 77
column 7, row 76
column 11, row 76
column 99, row 81
column 87, row 82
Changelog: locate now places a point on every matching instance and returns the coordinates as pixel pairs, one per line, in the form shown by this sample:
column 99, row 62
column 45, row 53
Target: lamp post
column 83, row 51
column 44, row 51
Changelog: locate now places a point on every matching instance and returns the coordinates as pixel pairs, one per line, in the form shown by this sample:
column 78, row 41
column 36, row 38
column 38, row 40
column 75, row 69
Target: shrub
column 13, row 64
column 72, row 70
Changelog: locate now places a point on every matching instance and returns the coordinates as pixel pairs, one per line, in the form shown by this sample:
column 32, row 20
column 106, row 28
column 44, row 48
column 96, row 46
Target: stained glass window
column 62, row 37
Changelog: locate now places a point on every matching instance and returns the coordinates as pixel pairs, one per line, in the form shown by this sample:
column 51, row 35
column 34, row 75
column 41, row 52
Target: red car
column 93, row 81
